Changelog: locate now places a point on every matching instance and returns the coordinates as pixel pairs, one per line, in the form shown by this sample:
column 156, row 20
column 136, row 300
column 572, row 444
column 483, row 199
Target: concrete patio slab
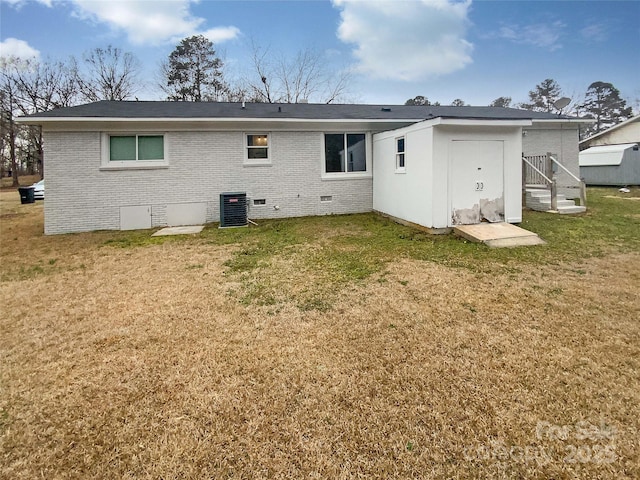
column 186, row 230
column 498, row 235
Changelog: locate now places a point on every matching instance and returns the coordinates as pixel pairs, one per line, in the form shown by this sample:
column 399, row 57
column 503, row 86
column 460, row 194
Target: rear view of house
column 133, row 165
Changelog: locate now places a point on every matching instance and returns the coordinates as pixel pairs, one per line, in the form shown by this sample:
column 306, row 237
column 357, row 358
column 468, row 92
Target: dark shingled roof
column 305, row 111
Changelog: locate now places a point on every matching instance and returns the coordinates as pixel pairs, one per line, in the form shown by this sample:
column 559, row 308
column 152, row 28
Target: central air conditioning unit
column 233, row 209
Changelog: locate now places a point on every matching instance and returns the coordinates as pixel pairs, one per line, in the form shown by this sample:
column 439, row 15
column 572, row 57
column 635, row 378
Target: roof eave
column 484, row 122
column 564, row 120
column 610, row 129
column 52, row 120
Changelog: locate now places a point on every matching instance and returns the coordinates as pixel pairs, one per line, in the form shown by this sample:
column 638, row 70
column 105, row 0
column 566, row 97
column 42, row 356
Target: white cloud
column 594, row 33
column 19, row 3
column 147, row 22
column 407, row 40
column 12, row 47
column 221, row 34
column 542, row 35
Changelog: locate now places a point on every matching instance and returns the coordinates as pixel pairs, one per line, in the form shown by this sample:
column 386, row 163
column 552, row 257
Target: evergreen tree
column 504, row 102
column 604, row 104
column 194, row 71
column 420, row 100
column 543, row 96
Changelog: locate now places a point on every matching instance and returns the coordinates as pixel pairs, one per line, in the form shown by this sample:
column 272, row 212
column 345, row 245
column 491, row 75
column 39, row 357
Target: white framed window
column 345, row 155
column 400, row 155
column 134, row 150
column 257, row 149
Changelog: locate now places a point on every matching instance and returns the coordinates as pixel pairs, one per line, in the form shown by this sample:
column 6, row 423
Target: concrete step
column 544, row 194
column 560, row 203
column 540, row 200
column 571, row 209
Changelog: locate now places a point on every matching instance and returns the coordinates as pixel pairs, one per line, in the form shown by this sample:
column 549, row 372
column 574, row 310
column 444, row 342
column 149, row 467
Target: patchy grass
column 352, row 248
column 333, row 347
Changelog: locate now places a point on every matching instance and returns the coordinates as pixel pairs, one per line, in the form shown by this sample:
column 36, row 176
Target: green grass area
column 337, row 250
column 329, row 252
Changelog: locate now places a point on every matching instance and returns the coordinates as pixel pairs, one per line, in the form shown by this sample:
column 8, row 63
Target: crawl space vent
column 233, row 209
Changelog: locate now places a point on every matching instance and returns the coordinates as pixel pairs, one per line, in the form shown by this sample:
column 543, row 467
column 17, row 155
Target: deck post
column 548, row 165
column 583, row 193
column 554, row 194
column 524, row 179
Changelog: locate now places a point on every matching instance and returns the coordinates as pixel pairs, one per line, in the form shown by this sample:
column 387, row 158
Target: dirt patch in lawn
column 155, row 360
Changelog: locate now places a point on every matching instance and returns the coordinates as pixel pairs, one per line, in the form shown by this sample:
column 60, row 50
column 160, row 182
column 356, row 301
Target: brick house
column 126, row 165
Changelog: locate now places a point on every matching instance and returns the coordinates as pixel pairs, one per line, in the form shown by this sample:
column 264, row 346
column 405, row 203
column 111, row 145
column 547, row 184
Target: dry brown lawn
column 148, row 362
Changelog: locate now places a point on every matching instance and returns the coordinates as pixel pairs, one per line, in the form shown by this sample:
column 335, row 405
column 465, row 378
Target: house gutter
column 563, row 120
column 33, row 120
column 46, row 120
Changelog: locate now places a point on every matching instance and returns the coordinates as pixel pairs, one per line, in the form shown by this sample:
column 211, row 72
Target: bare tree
column 9, row 127
column 306, row 76
column 32, row 86
column 44, row 85
column 262, row 91
column 108, row 74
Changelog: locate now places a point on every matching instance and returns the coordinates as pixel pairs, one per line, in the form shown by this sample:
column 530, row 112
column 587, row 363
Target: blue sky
column 395, row 50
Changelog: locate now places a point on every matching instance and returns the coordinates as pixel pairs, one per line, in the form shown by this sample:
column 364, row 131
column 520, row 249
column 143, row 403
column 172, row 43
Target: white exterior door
column 476, row 181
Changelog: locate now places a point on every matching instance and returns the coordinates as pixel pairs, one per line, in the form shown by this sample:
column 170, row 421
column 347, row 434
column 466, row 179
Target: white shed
column 611, row 165
column 445, row 172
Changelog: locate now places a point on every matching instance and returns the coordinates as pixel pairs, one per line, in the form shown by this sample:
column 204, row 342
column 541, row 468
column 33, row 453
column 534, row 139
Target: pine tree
column 504, row 102
column 542, row 97
column 604, row 104
column 194, row 71
column 421, row 100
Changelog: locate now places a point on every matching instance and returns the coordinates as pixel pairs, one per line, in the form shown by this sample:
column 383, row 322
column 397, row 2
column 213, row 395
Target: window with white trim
column 257, row 148
column 345, row 153
column 400, row 155
column 131, row 148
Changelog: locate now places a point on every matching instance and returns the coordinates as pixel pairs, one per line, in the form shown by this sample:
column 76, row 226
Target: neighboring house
column 124, row 165
column 617, row 165
column 622, row 133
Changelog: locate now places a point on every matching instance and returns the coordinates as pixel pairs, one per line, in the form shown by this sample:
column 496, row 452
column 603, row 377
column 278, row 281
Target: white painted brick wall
column 564, row 142
column 81, row 197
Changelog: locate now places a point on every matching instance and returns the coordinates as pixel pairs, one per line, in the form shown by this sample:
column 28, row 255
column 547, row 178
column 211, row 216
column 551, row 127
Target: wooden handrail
column 582, row 185
column 564, row 168
column 537, row 170
column 549, row 160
